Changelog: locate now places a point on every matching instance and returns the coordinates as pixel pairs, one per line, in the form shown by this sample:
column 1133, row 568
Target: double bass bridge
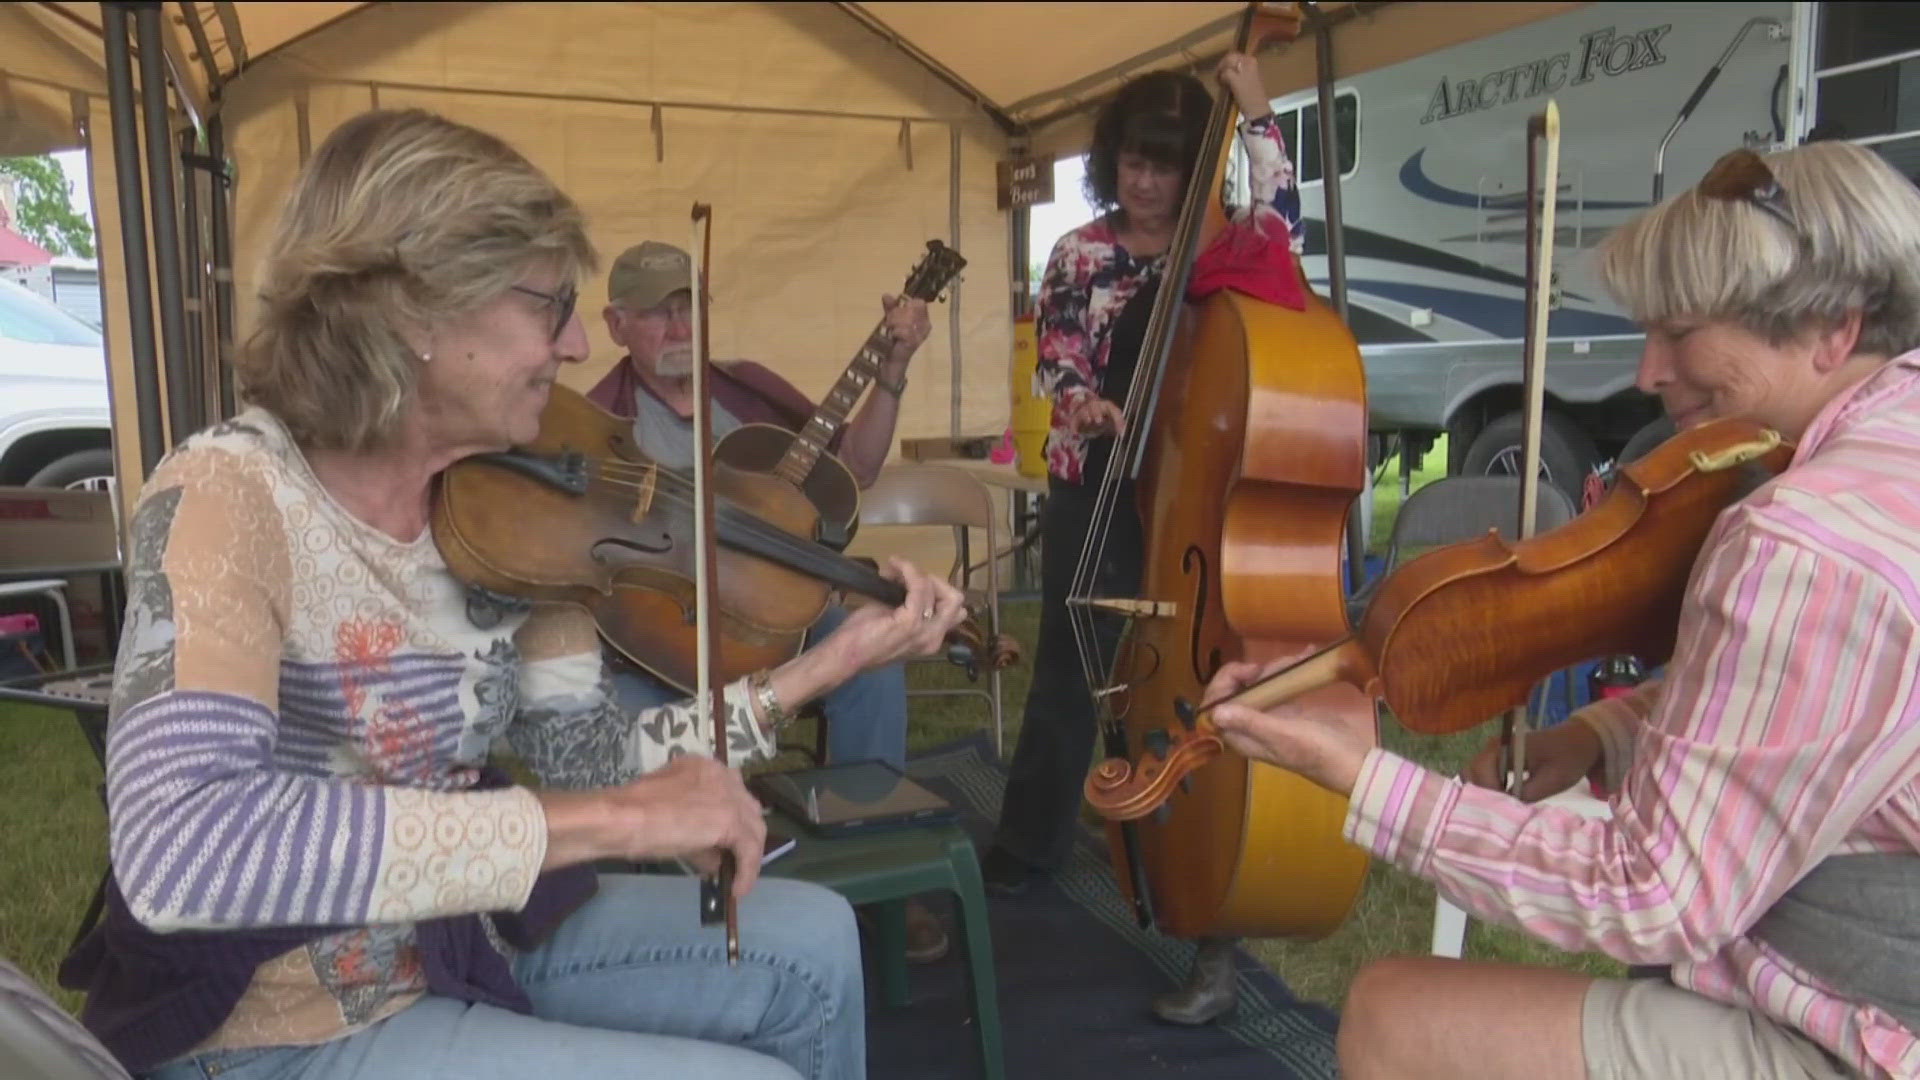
column 1132, row 609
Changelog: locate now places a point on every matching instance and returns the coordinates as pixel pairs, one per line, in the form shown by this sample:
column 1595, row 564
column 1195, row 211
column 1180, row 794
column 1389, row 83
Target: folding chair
column 1458, row 508
column 39, row 1041
column 915, row 494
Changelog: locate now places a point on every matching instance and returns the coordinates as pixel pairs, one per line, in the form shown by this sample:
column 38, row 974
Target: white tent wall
column 815, row 215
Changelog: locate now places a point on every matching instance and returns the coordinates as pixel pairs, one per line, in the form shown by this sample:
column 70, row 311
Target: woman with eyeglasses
column 316, row 871
column 1764, row 834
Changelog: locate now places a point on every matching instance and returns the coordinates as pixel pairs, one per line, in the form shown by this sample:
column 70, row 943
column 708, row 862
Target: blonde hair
column 1858, row 249
column 402, row 219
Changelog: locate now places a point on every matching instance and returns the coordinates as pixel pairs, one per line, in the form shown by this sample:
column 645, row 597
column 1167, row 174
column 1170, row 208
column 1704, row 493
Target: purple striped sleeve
column 206, row 832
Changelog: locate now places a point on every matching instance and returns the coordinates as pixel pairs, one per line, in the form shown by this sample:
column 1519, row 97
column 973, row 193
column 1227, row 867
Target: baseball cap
column 648, row 273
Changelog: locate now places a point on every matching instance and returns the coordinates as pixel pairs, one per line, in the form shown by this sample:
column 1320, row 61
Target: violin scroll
column 1120, row 792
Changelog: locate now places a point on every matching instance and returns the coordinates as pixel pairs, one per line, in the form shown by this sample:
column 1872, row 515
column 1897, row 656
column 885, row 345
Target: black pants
column 1050, row 762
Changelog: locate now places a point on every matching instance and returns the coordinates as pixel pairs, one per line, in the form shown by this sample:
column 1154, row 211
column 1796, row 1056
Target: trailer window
column 1850, row 33
column 1346, row 127
column 1867, row 89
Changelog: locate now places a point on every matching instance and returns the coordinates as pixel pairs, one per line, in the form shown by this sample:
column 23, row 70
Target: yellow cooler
column 1032, row 416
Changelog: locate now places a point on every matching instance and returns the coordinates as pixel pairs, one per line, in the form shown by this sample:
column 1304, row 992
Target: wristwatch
column 895, row 387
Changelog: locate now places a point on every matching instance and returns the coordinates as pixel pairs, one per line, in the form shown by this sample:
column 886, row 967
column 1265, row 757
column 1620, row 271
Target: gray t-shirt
column 666, row 436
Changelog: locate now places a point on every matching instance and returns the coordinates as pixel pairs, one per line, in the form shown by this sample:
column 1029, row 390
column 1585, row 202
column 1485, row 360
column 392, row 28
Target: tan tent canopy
column 831, row 139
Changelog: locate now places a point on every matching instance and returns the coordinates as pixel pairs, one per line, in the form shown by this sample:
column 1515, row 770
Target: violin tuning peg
column 1183, row 709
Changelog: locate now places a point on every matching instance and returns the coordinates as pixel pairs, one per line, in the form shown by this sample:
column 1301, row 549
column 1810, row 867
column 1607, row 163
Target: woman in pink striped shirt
column 1765, row 794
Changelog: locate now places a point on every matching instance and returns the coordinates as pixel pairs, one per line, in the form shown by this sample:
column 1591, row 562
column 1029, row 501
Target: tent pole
column 193, row 281
column 183, row 411
column 1358, row 518
column 953, row 297
column 133, row 234
column 220, row 188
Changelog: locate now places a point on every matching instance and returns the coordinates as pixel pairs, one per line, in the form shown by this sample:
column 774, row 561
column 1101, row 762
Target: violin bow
column 1543, row 198
column 717, row 902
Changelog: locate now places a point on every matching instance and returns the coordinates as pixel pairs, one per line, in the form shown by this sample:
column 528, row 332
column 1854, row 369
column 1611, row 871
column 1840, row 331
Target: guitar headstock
column 938, row 268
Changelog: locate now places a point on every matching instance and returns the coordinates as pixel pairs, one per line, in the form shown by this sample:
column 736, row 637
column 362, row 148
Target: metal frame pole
column 193, row 281
column 220, row 184
column 1337, row 255
column 183, row 411
column 133, row 234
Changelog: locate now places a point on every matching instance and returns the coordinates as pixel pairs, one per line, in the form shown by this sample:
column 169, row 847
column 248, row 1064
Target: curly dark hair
column 1161, row 116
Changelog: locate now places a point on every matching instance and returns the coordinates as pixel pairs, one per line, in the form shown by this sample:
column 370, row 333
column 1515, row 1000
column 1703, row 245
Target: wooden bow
column 1543, row 196
column 717, row 901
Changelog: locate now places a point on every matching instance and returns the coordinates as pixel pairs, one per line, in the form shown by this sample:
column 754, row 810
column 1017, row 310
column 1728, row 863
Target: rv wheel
column 1567, row 454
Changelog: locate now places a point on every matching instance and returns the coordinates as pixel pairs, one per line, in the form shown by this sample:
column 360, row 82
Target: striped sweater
column 301, row 710
column 1786, row 730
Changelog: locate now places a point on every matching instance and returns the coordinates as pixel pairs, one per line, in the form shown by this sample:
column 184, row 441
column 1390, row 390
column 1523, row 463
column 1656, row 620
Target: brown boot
column 926, row 938
column 1210, row 991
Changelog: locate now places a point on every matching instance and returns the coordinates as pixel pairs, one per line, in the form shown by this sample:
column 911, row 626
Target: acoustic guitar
column 800, row 457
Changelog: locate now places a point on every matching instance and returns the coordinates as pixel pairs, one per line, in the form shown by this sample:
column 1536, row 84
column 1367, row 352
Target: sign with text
column 1025, row 182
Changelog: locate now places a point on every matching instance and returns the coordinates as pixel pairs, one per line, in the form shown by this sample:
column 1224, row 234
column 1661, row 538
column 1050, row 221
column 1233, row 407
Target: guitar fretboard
column 827, row 420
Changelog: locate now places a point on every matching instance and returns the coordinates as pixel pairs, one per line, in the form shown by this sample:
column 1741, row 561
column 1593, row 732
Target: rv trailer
column 1433, row 181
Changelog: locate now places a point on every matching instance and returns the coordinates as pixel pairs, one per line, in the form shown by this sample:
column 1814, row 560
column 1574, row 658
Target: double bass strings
column 1146, row 373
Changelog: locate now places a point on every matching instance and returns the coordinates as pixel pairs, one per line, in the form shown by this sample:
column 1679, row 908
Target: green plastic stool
column 884, row 869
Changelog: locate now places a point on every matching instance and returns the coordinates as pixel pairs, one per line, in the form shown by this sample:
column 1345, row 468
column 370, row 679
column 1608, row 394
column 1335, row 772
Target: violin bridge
column 1133, row 609
column 644, row 492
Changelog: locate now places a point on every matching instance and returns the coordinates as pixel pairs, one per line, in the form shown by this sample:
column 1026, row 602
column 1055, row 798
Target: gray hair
column 401, row 220
column 1695, row 257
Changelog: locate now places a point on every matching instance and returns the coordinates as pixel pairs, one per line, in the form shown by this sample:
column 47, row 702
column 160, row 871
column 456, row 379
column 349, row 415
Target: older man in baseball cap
column 649, row 314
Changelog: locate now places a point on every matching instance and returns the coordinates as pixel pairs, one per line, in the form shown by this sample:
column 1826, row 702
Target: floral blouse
column 1090, row 278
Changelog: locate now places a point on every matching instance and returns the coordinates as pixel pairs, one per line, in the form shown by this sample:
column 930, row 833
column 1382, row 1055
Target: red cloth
column 1243, row 259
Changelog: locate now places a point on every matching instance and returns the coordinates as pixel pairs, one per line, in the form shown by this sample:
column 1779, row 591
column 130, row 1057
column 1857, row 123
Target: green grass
column 54, row 847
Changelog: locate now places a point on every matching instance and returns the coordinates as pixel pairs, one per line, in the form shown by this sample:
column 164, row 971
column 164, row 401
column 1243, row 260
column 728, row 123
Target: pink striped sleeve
column 1780, row 727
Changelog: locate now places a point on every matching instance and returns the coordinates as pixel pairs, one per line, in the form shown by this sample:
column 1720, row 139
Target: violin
column 1464, row 631
column 581, row 516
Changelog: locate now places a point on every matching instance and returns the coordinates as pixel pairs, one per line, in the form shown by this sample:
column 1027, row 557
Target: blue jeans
column 866, row 715
column 630, row 986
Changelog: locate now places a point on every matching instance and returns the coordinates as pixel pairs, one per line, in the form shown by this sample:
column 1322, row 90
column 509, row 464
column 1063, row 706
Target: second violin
column 1463, row 632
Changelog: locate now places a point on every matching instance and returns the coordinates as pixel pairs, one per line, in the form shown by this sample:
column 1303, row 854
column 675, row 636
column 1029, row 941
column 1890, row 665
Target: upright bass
column 1246, row 435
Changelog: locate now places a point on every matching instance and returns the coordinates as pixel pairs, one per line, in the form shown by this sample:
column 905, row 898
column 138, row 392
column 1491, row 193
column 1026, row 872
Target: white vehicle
column 1433, row 185
column 55, row 423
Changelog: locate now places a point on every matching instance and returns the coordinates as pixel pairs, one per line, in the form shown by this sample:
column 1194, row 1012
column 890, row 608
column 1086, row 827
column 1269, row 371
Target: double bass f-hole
column 1194, row 562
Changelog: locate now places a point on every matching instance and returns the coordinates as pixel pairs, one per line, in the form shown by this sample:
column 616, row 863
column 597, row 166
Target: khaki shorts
column 1649, row 1028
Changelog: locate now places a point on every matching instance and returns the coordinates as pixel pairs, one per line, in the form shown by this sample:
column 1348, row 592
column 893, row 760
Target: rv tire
column 1567, row 454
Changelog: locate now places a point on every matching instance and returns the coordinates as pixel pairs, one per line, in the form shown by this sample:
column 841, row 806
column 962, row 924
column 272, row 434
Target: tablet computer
column 859, row 796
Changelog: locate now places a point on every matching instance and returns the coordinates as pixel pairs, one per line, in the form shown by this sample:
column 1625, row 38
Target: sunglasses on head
column 1743, row 176
column 562, row 302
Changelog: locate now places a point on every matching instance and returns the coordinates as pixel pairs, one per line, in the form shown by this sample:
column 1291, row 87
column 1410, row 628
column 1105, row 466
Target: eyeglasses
column 562, row 303
column 1743, row 176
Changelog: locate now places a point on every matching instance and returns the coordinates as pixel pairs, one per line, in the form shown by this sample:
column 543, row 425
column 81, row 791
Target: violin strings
column 799, row 551
column 673, row 489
